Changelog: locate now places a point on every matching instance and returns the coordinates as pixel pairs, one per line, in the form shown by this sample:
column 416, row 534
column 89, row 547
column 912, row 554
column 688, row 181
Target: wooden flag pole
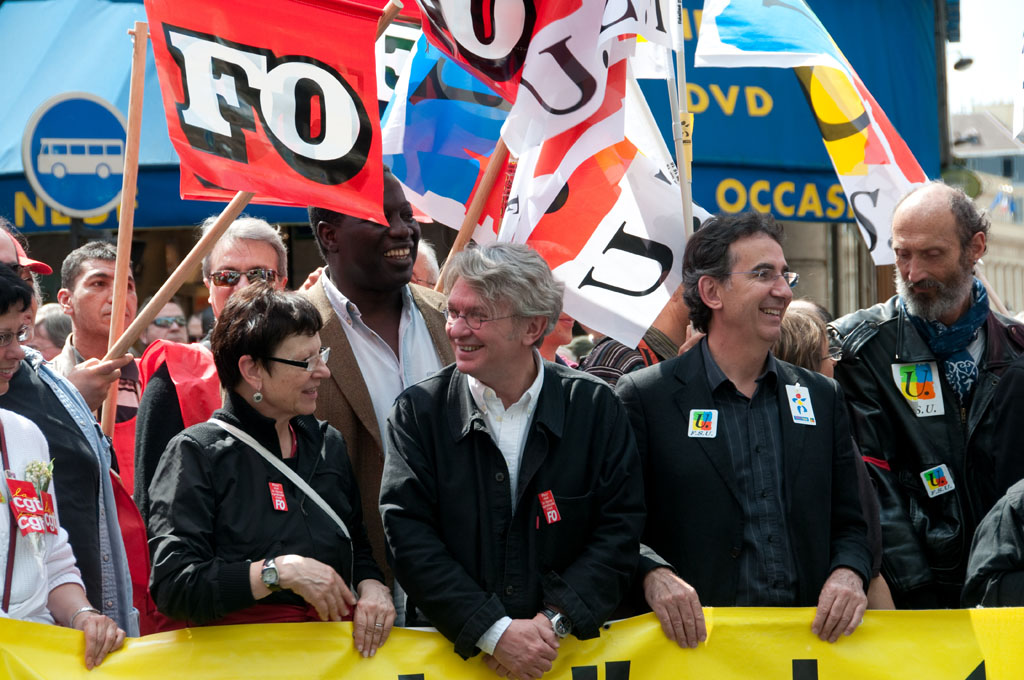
column 390, row 12
column 182, row 273
column 476, row 207
column 678, row 106
column 129, row 181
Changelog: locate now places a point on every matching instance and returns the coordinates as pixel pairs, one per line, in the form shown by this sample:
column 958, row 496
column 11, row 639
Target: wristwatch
column 560, row 623
column 271, row 579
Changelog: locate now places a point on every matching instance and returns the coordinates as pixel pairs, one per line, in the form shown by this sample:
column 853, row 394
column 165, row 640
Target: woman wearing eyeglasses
column 235, row 535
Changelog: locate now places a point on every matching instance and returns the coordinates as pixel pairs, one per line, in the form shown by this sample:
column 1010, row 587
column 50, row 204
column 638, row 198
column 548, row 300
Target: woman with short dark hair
column 255, row 514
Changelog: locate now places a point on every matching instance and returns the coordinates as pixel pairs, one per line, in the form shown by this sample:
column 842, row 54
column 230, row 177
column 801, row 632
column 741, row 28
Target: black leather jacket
column 926, row 539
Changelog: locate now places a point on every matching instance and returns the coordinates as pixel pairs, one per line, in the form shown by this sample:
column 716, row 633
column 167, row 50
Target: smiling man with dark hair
column 756, row 505
column 384, row 334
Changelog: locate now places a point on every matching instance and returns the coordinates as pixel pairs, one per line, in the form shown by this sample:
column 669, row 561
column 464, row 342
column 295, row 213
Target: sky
column 992, row 33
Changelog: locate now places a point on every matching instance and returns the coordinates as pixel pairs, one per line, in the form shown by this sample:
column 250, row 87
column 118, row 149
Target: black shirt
column 159, row 421
column 753, row 434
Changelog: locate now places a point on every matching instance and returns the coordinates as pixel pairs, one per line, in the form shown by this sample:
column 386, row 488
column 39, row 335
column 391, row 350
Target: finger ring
column 379, row 625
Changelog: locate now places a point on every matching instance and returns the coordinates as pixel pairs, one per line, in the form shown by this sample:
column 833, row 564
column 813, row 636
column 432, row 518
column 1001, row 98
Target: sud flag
column 288, row 113
column 873, row 163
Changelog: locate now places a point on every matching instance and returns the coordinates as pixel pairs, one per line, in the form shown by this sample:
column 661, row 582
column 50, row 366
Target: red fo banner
column 278, row 98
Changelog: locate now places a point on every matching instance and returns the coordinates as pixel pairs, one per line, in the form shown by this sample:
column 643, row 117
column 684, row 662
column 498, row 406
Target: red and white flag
column 548, row 57
column 289, row 113
column 613, row 231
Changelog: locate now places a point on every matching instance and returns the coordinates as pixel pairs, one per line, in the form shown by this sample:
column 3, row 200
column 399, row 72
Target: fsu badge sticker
column 704, row 423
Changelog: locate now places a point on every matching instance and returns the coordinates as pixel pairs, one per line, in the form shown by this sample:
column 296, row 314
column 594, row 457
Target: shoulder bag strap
column 14, row 525
column 286, row 471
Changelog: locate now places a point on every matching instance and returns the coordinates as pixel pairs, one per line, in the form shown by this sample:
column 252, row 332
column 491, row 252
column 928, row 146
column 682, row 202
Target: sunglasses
column 230, row 277
column 168, row 321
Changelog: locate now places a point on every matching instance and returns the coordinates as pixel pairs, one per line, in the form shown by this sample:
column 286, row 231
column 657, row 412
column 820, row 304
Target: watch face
column 269, row 576
column 561, row 625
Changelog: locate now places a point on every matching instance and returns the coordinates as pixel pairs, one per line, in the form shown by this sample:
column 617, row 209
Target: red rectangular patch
column 49, row 514
column 547, row 504
column 28, row 509
column 277, row 497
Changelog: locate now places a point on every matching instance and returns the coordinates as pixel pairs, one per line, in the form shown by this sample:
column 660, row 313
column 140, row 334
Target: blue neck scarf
column 949, row 343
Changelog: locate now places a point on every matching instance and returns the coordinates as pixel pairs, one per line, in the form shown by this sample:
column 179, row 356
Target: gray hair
column 509, row 273
column 55, row 322
column 247, row 228
column 426, row 256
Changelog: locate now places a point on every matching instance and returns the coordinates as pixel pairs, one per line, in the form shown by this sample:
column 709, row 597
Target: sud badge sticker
column 937, row 481
column 800, row 405
column 920, row 386
column 704, row 423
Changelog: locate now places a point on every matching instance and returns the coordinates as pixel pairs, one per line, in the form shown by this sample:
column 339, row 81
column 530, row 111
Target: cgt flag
column 288, row 113
column 874, row 164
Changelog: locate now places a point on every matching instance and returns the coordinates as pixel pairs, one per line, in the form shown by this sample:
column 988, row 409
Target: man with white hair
column 919, row 372
column 512, row 495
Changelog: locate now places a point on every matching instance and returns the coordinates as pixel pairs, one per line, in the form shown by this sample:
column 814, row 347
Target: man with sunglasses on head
column 748, row 463
column 181, row 383
column 384, row 333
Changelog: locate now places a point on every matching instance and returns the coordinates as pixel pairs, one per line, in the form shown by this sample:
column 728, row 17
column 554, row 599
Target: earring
column 257, row 397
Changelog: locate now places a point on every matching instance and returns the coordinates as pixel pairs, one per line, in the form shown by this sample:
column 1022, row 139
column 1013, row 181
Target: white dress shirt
column 386, row 375
column 508, row 428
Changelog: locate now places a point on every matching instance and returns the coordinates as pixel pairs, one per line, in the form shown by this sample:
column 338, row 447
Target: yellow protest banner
column 766, row 644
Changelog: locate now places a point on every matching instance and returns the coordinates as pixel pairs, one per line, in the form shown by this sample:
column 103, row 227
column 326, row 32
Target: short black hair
column 94, row 250
column 14, row 291
column 707, row 254
column 254, row 322
column 318, row 215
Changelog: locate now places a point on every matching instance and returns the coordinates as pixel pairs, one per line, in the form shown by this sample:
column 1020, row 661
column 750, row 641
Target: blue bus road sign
column 73, row 153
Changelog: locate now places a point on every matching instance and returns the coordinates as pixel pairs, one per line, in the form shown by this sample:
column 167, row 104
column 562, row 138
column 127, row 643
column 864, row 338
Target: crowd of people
column 370, row 450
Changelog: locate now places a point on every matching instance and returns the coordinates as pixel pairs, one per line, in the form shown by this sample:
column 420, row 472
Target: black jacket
column 926, row 540
column 211, row 514
column 458, row 549
column 694, row 518
column 995, row 572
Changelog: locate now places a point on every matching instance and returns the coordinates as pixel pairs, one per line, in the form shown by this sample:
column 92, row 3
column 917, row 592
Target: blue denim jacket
column 117, row 582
